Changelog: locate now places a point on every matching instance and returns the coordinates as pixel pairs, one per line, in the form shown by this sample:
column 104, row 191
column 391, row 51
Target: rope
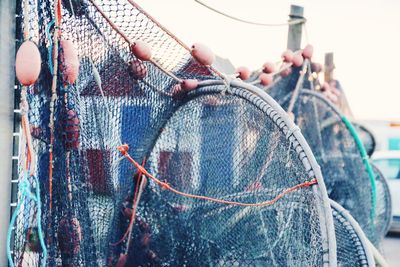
column 97, row 79
column 57, row 9
column 31, row 157
column 135, row 5
column 282, row 68
column 136, row 198
column 366, row 163
column 124, row 151
column 227, row 82
column 50, row 49
column 292, row 22
column 296, row 90
column 126, row 38
column 26, row 193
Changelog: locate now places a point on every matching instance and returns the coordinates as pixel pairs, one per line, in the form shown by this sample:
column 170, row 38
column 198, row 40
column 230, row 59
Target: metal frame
column 357, row 229
column 267, row 104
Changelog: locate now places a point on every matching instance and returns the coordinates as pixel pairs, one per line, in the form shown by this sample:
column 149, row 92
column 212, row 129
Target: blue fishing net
column 220, row 142
column 336, row 147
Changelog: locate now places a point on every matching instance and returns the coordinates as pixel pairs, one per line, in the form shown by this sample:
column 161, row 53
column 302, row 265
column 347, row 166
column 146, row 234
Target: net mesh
column 228, row 155
column 351, row 249
column 211, row 144
column 383, row 204
column 367, row 138
column 335, row 148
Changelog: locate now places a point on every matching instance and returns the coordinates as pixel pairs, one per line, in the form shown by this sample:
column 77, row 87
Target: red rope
column 124, row 151
column 139, row 182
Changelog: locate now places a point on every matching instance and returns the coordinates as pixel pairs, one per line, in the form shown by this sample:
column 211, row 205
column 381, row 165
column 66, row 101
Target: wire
column 292, row 22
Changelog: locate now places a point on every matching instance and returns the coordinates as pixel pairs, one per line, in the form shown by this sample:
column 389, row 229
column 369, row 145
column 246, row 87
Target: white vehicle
column 388, row 163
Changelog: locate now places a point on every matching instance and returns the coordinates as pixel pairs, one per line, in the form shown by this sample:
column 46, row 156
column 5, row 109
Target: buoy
column 202, row 54
column 286, row 72
column 297, row 60
column 308, row 51
column 269, row 67
column 69, row 64
column 141, row 50
column 72, row 130
column 265, row 79
column 28, row 63
column 243, row 72
column 287, row 56
column 325, row 87
column 137, row 69
column 189, row 84
column 316, row 67
column 336, row 91
column 122, row 260
column 69, row 236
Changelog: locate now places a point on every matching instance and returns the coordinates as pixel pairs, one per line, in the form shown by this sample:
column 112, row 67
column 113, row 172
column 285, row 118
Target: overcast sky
column 363, row 34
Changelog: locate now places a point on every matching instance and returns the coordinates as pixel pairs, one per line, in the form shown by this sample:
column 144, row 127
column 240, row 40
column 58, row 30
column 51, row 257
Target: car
column 388, row 163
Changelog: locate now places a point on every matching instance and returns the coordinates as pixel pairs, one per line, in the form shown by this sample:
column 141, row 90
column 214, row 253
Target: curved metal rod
column 357, row 228
column 330, row 240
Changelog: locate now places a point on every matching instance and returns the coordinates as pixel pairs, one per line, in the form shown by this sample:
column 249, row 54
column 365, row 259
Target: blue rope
column 50, row 50
column 24, row 188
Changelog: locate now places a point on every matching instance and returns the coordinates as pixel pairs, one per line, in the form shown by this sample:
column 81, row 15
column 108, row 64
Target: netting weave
column 221, row 142
column 351, row 242
column 336, row 149
column 366, row 137
column 383, row 204
column 227, row 154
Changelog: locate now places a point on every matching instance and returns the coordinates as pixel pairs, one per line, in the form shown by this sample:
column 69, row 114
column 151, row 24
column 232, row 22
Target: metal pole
column 295, row 30
column 7, row 54
column 329, row 67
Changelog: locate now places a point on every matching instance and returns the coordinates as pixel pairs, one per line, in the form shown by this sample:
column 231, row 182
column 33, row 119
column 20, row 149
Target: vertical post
column 295, row 30
column 342, row 104
column 329, row 67
column 7, row 53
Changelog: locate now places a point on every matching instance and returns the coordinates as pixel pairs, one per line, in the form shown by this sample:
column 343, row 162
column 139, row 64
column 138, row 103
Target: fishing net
column 366, row 137
column 336, row 146
column 220, row 142
column 228, row 155
column 352, row 244
column 383, row 204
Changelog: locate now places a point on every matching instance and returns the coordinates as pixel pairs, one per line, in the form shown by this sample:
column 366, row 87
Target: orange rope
column 59, row 15
column 28, row 144
column 139, row 182
column 124, row 151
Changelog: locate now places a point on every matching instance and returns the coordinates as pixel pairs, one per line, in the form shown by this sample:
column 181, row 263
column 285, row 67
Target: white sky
column 364, row 36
